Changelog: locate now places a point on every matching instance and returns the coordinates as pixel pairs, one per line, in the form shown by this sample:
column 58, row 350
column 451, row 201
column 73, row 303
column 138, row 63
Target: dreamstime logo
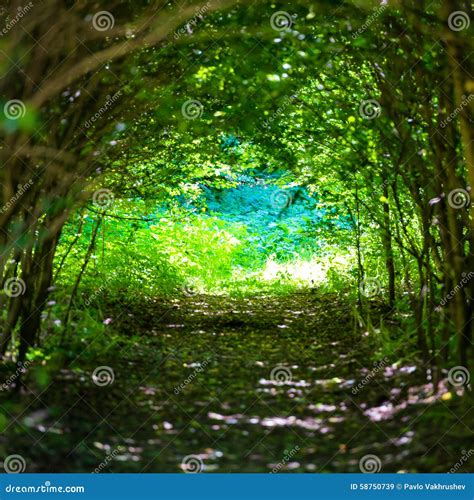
column 281, row 21
column 14, row 109
column 281, row 198
column 103, row 21
column 189, row 290
column 192, row 109
column 369, row 377
column 459, row 198
column 459, row 376
column 452, row 115
column 110, row 101
column 199, row 16
column 281, row 375
column 369, row 287
column 14, row 287
column 21, row 191
column 192, row 464
column 106, row 461
column 103, row 375
column 188, row 380
column 466, row 455
column 458, row 20
column 10, row 380
column 14, row 464
column 373, row 16
column 286, row 102
column 464, row 281
column 103, row 198
column 370, row 464
column 99, row 291
column 370, row 109
column 21, row 12
column 288, row 455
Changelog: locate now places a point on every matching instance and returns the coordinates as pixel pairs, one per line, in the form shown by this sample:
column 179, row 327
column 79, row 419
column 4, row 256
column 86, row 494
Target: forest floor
column 241, row 384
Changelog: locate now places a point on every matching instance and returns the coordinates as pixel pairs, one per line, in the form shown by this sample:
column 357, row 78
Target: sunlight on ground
column 306, row 272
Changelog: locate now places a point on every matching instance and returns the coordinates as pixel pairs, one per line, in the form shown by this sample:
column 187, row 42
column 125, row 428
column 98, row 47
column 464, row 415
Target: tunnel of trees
column 236, row 236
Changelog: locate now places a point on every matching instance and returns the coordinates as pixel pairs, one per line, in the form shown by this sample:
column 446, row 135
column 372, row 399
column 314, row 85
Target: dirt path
column 249, row 385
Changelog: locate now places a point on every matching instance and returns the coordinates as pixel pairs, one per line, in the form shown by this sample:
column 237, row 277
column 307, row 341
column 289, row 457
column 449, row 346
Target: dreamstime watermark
column 369, row 464
column 99, row 291
column 459, row 198
column 281, row 198
column 282, row 21
column 459, row 20
column 189, row 290
column 21, row 368
column 458, row 110
column 22, row 189
column 370, row 287
column 14, row 287
column 192, row 464
column 192, row 109
column 110, row 101
column 370, row 19
column 103, row 198
column 103, row 376
column 103, row 20
column 109, row 458
column 288, row 455
column 466, row 455
column 464, row 281
column 198, row 16
column 14, row 464
column 281, row 375
column 370, row 109
column 287, row 101
column 459, row 376
column 200, row 368
column 20, row 14
column 47, row 487
column 14, row 109
column 378, row 365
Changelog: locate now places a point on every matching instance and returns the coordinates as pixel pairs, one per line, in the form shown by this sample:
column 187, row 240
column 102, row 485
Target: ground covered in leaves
column 220, row 384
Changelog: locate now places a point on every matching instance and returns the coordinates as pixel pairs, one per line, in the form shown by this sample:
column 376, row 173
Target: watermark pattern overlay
column 110, row 101
column 103, row 20
column 192, row 464
column 14, row 464
column 14, row 109
column 464, row 281
column 192, row 109
column 103, row 198
column 466, row 455
column 369, row 464
column 288, row 455
column 22, row 189
column 378, row 366
column 459, row 198
column 103, row 376
column 459, row 376
column 281, row 375
column 14, row 287
column 459, row 20
column 281, row 21
column 376, row 13
column 370, row 109
column 19, row 15
column 201, row 11
column 370, row 287
column 199, row 369
column 21, row 369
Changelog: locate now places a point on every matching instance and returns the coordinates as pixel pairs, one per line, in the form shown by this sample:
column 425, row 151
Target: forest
column 236, row 236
